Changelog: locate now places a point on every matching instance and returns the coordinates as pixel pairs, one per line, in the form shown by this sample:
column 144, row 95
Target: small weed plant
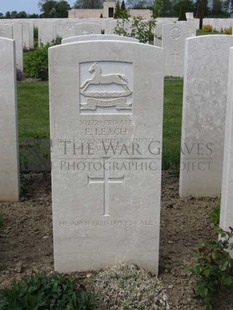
column 1, row 220
column 213, row 265
column 207, row 28
column 228, row 30
column 41, row 291
column 140, row 29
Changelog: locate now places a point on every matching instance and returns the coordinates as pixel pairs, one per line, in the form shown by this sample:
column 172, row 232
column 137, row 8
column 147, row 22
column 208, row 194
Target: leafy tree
column 187, row 5
column 22, row 14
column 137, row 4
column 205, row 5
column 88, row 4
column 47, row 7
column 228, row 6
column 117, row 10
column 167, row 9
column 157, row 8
column 123, row 6
column 218, row 9
column 13, row 14
column 182, row 15
column 163, row 8
column 120, row 11
column 33, row 15
column 62, row 9
column 8, row 14
column 52, row 8
column 200, row 13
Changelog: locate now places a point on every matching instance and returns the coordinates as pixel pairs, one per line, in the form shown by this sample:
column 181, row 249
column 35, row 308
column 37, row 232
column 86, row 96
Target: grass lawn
column 33, row 111
column 173, row 94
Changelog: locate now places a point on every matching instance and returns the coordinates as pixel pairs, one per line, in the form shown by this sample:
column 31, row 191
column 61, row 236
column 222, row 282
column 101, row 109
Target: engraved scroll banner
column 119, row 104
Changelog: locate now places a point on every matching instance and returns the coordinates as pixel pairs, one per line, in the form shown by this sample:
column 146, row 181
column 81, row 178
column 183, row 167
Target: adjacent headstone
column 204, row 110
column 110, row 26
column 65, row 29
column 106, row 108
column 6, row 31
column 9, row 169
column 18, row 37
column 46, row 32
column 87, row 28
column 173, row 42
column 158, row 32
column 226, row 215
column 97, row 37
column 28, row 35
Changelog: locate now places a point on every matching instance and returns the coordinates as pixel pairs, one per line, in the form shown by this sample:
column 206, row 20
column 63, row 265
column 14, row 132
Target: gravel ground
column 26, row 241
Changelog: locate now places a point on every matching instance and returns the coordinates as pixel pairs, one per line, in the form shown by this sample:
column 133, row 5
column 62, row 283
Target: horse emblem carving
column 105, row 98
column 103, row 79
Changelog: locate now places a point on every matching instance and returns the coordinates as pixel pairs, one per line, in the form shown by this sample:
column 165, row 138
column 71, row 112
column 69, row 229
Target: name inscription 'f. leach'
column 105, row 98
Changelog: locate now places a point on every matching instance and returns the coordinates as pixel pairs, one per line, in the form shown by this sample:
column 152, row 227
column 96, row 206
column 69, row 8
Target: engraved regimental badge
column 107, row 89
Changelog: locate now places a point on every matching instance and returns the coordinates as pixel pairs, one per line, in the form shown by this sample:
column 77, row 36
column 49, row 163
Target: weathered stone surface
column 6, row 31
column 226, row 215
column 93, row 37
column 87, row 28
column 173, row 42
column 9, row 171
column 18, row 37
column 204, row 106
column 106, row 129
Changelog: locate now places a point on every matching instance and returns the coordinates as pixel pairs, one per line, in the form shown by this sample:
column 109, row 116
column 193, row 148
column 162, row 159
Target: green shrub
column 140, row 29
column 213, row 268
column 228, row 30
column 36, row 64
column 42, row 292
column 207, row 28
column 57, row 41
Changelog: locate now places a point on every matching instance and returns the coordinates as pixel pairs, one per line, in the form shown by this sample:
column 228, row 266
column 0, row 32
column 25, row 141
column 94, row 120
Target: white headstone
column 9, row 171
column 173, row 42
column 110, row 26
column 46, row 31
column 6, row 31
column 226, row 215
column 158, row 31
column 204, row 106
column 18, row 37
column 106, row 109
column 28, row 35
column 87, row 28
column 93, row 37
column 65, row 29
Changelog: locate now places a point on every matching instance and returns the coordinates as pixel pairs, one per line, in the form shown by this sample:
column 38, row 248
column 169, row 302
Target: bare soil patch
column 26, row 243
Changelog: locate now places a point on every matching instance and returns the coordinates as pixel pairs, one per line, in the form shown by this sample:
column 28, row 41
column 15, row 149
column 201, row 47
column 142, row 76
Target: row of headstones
column 173, row 38
column 49, row 29
column 27, row 30
column 15, row 32
column 107, row 137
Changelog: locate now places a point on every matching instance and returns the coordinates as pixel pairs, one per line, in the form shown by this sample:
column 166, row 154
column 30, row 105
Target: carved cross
column 106, row 181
